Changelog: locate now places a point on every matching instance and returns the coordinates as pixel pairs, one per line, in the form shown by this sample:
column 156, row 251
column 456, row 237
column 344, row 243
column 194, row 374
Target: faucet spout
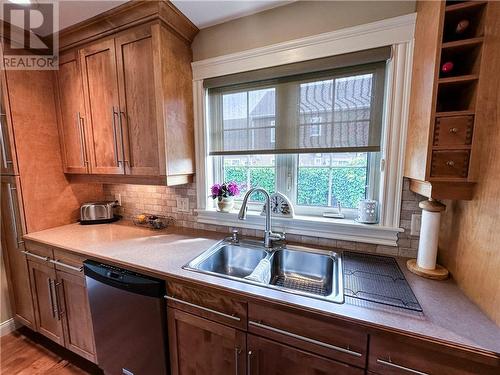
column 269, row 236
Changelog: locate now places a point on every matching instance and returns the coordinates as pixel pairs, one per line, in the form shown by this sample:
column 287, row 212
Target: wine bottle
column 447, row 67
column 462, row 26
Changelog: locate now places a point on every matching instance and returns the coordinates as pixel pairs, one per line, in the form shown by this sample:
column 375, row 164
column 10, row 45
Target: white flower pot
column 225, row 204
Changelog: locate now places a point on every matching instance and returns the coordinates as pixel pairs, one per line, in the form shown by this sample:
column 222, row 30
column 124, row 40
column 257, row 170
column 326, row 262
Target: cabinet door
column 47, row 308
column 71, row 114
column 105, row 145
column 75, row 313
column 200, row 346
column 12, row 247
column 8, row 163
column 138, row 120
column 269, row 357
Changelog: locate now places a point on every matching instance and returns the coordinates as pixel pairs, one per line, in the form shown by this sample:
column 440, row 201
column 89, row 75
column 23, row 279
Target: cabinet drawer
column 36, row 252
column 391, row 355
column 68, row 262
column 453, row 131
column 327, row 337
column 450, row 163
column 208, row 304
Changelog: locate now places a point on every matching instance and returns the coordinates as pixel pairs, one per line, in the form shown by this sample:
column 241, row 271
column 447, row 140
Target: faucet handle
column 234, row 235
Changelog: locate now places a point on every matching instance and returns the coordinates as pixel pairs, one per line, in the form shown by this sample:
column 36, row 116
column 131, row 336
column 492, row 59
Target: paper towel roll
column 428, row 243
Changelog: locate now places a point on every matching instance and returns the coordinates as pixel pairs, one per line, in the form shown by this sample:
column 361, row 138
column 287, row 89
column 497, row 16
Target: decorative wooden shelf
column 464, row 5
column 455, row 113
column 458, row 79
column 463, row 42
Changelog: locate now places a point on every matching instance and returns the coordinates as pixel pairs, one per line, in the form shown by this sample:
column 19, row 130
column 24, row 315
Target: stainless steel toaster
column 97, row 211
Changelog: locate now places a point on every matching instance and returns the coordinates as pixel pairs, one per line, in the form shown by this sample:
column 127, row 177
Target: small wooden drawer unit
column 329, row 338
column 453, row 131
column 208, row 304
column 394, row 355
column 450, row 164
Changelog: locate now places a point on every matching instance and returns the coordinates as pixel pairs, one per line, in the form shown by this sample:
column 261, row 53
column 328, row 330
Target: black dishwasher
column 129, row 318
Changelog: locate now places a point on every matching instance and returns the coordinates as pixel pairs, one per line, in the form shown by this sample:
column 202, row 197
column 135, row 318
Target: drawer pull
column 450, row 163
column 312, row 341
column 453, row 130
column 59, row 263
column 399, row 367
column 46, row 259
column 203, row 308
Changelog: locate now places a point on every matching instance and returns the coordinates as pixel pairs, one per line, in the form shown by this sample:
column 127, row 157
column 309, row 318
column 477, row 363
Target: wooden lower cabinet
column 200, row 346
column 44, row 294
column 60, row 299
column 269, row 357
column 75, row 315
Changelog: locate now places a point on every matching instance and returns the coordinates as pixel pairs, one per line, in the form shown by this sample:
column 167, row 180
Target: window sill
column 340, row 229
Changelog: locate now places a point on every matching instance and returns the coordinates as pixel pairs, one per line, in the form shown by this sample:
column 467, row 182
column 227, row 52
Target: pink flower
column 233, row 189
column 216, row 190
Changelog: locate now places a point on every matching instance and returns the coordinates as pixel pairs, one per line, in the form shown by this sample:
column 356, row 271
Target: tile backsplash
column 161, row 200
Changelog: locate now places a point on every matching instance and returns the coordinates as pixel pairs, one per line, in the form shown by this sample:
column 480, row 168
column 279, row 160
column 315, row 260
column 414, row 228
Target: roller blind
column 280, row 110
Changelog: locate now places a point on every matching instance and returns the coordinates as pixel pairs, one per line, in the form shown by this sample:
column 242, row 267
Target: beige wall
column 296, row 20
column 470, row 237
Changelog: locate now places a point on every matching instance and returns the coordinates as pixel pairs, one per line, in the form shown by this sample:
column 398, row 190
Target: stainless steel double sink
column 301, row 271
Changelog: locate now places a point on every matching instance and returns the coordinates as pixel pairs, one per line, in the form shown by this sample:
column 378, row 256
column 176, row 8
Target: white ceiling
column 205, row 13
column 73, row 11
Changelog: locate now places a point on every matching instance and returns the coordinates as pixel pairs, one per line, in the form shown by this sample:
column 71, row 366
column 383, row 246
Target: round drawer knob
column 453, row 130
column 450, row 163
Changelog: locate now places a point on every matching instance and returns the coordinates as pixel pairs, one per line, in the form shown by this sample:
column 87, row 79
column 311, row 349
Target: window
column 315, row 137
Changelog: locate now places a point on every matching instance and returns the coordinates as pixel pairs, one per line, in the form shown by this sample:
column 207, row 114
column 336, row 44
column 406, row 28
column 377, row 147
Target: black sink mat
column 377, row 279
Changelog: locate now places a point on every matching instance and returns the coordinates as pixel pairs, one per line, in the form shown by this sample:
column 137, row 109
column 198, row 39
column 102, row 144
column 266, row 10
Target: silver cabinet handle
column 59, row 263
column 312, row 341
column 237, row 352
column 79, row 124
column 204, row 308
column 2, row 144
column 120, row 123
column 51, row 297
column 13, row 215
column 115, row 138
column 399, row 367
column 249, row 362
column 36, row 256
column 59, row 311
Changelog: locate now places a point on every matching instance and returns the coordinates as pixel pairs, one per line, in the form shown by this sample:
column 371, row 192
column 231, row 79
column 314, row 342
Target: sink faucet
column 269, row 236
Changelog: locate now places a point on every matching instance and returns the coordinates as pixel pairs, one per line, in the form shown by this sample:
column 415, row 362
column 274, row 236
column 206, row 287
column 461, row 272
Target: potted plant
column 225, row 194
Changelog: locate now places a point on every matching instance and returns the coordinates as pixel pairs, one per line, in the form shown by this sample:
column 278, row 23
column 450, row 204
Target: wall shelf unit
column 446, row 83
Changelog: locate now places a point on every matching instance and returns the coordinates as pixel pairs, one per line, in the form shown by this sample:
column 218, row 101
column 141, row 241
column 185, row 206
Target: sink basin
column 314, row 274
column 304, row 271
column 231, row 260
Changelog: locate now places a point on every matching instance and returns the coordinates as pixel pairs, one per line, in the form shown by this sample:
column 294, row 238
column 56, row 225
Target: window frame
column 397, row 32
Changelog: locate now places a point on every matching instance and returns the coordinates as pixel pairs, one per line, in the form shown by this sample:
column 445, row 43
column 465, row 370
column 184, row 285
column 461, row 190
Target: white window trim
column 397, row 32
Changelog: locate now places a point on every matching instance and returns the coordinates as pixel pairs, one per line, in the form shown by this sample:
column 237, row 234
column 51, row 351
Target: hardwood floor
column 24, row 352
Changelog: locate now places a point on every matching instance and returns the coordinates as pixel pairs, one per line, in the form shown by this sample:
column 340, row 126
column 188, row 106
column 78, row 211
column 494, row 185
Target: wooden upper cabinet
column 142, row 131
column 8, row 160
column 104, row 140
column 71, row 116
column 137, row 87
column 450, row 110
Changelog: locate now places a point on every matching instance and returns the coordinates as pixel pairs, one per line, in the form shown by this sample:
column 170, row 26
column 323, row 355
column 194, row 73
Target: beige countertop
column 448, row 315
